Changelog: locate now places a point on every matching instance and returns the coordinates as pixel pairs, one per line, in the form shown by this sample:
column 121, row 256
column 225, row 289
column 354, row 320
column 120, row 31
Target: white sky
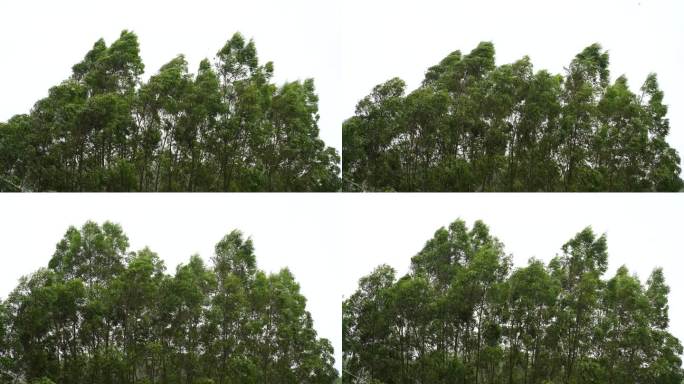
column 297, row 231
column 388, row 38
column 40, row 40
column 644, row 231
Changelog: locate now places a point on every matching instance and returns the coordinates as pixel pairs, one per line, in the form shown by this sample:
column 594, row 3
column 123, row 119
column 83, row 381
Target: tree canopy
column 463, row 314
column 226, row 128
column 102, row 314
column 473, row 126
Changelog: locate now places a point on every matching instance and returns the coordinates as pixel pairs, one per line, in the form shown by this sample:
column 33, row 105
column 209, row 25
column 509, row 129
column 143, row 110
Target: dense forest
column 463, row 314
column 473, row 126
column 227, row 128
column 101, row 314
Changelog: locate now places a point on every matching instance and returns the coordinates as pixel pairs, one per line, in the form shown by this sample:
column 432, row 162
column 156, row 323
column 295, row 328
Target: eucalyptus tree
column 101, row 313
column 226, row 128
column 475, row 126
column 463, row 314
column 6, row 353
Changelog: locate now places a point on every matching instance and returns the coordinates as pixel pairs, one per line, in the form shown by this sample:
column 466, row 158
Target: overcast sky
column 297, row 231
column 387, row 38
column 644, row 231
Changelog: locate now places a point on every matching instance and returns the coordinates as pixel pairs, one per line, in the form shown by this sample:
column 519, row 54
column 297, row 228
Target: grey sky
column 644, row 231
column 40, row 40
column 387, row 38
column 289, row 230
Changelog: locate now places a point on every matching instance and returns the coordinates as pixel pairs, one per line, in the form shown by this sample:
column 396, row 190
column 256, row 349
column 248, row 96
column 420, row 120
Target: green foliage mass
column 227, row 128
column 464, row 315
column 102, row 314
column 473, row 126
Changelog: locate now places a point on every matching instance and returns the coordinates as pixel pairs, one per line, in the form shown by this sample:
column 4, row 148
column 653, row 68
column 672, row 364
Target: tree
column 464, row 315
column 103, row 314
column 473, row 126
column 227, row 128
column 6, row 358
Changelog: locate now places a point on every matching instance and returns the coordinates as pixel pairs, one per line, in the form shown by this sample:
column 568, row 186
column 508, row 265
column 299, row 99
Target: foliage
column 102, row 314
column 473, row 126
column 464, row 315
column 227, row 128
